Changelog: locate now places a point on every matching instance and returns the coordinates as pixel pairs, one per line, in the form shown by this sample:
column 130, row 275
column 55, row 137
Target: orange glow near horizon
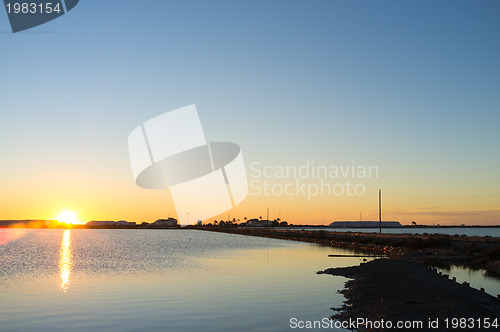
column 136, row 205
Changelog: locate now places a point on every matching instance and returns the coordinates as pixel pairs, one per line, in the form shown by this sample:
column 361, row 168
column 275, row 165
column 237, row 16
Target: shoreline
column 55, row 224
column 435, row 250
column 403, row 288
column 407, row 291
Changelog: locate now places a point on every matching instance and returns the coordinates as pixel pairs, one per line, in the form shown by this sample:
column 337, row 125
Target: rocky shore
column 394, row 291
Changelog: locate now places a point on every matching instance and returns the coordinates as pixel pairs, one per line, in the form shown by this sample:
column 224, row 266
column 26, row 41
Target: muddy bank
column 394, row 290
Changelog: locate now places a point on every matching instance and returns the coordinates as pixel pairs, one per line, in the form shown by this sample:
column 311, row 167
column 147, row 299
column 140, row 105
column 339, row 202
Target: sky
column 409, row 87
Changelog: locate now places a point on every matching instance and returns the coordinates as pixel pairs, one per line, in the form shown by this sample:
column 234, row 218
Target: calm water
column 158, row 280
column 477, row 279
column 468, row 231
column 175, row 280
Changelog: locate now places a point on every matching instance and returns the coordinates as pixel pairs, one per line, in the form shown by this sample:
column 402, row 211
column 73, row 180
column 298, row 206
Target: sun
column 67, row 217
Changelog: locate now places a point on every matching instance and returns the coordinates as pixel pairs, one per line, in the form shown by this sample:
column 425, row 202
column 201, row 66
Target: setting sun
column 67, row 217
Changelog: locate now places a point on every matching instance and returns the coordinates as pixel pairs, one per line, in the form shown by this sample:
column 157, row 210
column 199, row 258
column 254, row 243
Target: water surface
column 460, row 231
column 176, row 280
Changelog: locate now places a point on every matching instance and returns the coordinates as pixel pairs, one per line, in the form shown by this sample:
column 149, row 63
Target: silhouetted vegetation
column 490, row 255
column 432, row 241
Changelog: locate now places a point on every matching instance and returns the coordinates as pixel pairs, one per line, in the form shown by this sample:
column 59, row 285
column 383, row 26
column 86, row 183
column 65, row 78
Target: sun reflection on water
column 65, row 260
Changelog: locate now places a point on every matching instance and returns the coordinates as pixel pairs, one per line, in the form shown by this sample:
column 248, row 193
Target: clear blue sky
column 410, row 86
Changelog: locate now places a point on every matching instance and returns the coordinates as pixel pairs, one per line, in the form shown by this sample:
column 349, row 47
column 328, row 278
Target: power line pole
column 380, row 211
column 267, row 213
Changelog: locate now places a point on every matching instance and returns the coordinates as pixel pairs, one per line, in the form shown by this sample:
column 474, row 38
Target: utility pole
column 380, row 211
column 267, row 213
column 361, row 216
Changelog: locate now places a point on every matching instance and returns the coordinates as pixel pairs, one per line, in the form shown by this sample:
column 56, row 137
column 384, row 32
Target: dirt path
column 408, row 291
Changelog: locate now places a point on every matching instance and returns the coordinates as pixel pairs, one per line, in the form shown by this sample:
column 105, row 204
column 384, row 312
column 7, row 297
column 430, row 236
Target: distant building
column 110, row 223
column 122, row 223
column 101, row 223
column 258, row 223
column 354, row 224
column 170, row 222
